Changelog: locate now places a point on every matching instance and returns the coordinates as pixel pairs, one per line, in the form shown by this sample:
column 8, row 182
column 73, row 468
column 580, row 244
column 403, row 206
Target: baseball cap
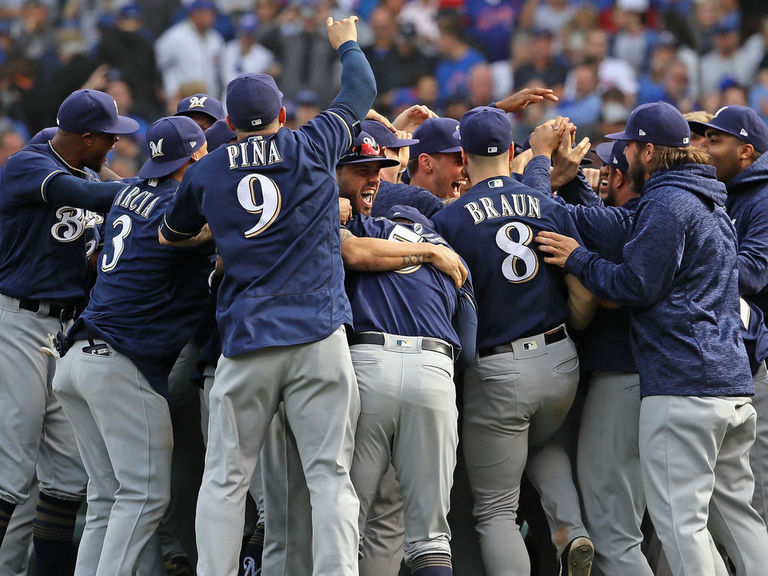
column 485, row 131
column 219, row 133
column 93, row 111
column 248, row 23
column 172, row 141
column 409, row 213
column 658, row 123
column 384, row 136
column 306, row 97
column 43, row 135
column 436, row 136
column 130, row 11
column 739, row 121
column 366, row 149
column 200, row 103
column 201, row 5
column 253, row 100
column 612, row 153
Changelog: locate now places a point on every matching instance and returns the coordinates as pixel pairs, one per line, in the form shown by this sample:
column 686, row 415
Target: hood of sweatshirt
column 698, row 179
column 751, row 178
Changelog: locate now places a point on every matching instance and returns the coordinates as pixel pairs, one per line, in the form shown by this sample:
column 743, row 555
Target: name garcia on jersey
column 503, row 205
column 136, row 200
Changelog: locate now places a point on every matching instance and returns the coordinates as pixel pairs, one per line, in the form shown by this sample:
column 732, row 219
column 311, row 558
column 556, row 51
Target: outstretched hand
column 519, row 101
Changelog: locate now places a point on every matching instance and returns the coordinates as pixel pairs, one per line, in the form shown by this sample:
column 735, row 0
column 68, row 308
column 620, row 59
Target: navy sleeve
column 578, row 191
column 604, row 229
column 183, row 218
column 537, row 174
column 648, row 270
column 67, row 190
column 358, row 85
column 753, row 251
column 465, row 324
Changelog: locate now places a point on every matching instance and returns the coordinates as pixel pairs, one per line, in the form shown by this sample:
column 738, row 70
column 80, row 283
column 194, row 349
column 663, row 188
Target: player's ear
column 282, row 115
column 464, row 157
column 231, row 126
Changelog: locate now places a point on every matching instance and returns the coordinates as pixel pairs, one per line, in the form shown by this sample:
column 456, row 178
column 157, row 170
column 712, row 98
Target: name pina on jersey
column 502, row 205
column 138, row 201
column 253, row 152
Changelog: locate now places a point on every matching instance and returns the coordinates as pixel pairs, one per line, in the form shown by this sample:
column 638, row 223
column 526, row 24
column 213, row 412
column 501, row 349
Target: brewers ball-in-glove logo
column 197, row 102
column 156, row 148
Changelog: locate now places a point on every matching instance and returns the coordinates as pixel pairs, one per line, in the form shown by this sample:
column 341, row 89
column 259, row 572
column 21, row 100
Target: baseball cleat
column 576, row 559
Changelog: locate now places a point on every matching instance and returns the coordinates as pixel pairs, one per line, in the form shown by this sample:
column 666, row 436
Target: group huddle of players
column 347, row 301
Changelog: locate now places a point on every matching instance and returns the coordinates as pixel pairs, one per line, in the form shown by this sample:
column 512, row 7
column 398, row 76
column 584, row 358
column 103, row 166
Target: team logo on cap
column 156, row 148
column 493, row 149
column 615, row 160
column 192, row 143
column 743, row 132
column 686, row 140
column 641, row 132
column 196, row 102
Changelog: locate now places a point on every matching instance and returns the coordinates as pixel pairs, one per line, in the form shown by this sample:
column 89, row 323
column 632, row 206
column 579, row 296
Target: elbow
column 162, row 239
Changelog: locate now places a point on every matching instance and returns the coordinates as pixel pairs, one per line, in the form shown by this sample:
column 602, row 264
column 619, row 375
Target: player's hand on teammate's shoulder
column 558, row 247
column 449, row 263
column 340, row 31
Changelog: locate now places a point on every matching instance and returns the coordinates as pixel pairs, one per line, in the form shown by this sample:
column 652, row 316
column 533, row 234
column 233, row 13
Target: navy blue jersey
column 148, row 298
column 492, row 227
column 42, row 246
column 393, row 194
column 273, row 209
column 414, row 301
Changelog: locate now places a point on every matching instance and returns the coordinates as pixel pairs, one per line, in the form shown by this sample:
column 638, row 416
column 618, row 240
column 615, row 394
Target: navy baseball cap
column 200, row 103
column 93, row 111
column 219, row 133
column 366, row 149
column 172, row 141
column 436, row 136
column 658, row 123
column 253, row 100
column 306, row 97
column 409, row 213
column 130, row 11
column 485, row 131
column 248, row 23
column 739, row 121
column 201, row 5
column 384, row 136
column 612, row 153
column 43, row 135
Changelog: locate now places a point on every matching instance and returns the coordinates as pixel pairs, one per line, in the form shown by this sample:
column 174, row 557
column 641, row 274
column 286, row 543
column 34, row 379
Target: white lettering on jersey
column 271, row 200
column 253, row 152
column 522, row 205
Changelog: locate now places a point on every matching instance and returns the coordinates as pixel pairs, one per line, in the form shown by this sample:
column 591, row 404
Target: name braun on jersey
column 139, row 201
column 253, row 152
column 507, row 204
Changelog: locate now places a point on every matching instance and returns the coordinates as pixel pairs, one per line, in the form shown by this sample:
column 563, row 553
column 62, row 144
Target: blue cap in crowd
column 43, row 135
column 253, row 100
column 485, row 131
column 248, row 23
column 172, row 141
column 612, row 153
column 200, row 103
column 130, row 11
column 411, row 214
column 201, row 5
column 306, row 97
column 658, row 123
column 93, row 111
column 219, row 133
column 366, row 149
column 384, row 136
column 436, row 136
column 739, row 121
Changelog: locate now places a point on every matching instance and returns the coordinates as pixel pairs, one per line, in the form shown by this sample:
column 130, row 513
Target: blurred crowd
column 602, row 57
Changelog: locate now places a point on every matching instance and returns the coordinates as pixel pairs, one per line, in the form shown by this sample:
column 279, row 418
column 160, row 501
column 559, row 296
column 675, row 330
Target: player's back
column 272, row 205
column 492, row 227
column 414, row 301
column 147, row 297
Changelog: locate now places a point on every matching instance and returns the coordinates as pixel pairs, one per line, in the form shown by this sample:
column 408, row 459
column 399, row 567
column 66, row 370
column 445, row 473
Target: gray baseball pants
column 608, row 464
column 694, row 456
column 758, row 456
column 123, row 430
column 316, row 382
column 512, row 400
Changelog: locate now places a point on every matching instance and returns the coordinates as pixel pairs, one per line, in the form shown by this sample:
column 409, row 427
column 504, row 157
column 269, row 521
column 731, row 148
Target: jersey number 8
column 522, row 264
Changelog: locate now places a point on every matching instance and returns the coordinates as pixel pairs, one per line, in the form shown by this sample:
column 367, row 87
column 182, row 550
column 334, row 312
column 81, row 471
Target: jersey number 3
column 124, row 223
column 522, row 264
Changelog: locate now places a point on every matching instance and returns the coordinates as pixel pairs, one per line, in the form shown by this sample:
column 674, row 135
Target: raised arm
column 358, row 85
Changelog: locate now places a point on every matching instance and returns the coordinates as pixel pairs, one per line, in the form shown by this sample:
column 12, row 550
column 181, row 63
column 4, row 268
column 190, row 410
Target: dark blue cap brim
column 385, row 162
column 124, row 125
column 400, row 143
column 152, row 169
column 603, row 151
column 451, row 150
column 620, row 136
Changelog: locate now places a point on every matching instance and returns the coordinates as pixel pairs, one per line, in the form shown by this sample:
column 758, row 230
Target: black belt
column 60, row 311
column 549, row 338
column 378, row 339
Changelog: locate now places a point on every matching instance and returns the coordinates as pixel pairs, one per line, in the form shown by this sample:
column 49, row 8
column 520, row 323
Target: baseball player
column 113, row 382
column 205, row 110
column 678, row 272
column 435, row 161
column 46, row 199
column 281, row 316
column 736, row 140
column 519, row 389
